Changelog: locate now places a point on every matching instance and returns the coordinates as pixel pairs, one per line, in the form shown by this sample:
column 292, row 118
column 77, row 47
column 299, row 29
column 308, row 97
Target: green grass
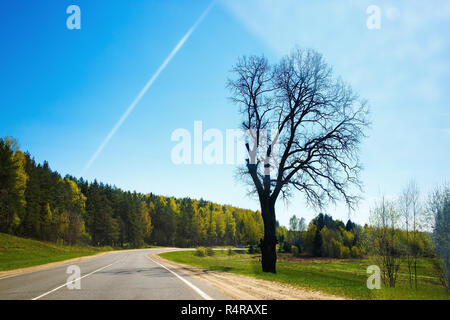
column 345, row 278
column 18, row 252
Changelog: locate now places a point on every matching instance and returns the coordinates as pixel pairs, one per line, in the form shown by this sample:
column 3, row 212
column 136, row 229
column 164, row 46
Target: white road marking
column 200, row 292
column 65, row 284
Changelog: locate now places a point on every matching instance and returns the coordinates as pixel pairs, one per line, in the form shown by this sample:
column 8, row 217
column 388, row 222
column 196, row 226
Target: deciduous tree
column 304, row 128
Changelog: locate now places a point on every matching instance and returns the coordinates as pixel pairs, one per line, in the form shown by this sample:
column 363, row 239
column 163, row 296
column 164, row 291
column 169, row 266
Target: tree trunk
column 269, row 242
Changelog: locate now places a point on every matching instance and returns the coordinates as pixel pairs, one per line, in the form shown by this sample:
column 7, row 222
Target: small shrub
column 345, row 252
column 287, row 247
column 85, row 239
column 200, row 252
column 335, row 250
column 295, row 251
column 254, row 249
column 280, row 247
column 210, row 252
column 231, row 252
column 355, row 252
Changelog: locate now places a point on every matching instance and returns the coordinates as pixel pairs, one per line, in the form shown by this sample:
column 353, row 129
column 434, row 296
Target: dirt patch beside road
column 245, row 288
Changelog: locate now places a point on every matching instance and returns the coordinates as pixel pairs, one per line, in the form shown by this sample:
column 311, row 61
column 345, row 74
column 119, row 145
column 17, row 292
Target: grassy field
column 345, row 278
column 18, row 252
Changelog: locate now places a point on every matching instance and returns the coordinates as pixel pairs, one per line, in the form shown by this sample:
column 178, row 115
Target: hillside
column 16, row 252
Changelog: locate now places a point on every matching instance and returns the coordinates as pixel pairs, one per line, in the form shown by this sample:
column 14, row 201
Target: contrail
column 147, row 86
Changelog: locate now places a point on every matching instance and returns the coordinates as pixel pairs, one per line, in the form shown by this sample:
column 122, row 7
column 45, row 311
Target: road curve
column 122, row 275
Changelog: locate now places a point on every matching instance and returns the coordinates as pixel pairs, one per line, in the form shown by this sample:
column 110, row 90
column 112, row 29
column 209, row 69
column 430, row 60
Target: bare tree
column 416, row 224
column 294, row 223
column 405, row 209
column 385, row 242
column 305, row 127
column 438, row 216
column 411, row 212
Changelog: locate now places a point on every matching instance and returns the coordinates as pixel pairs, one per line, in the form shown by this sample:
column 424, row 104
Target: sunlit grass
column 18, row 252
column 345, row 278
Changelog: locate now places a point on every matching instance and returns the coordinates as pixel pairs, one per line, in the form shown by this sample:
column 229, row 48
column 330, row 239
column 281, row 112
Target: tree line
column 329, row 238
column 408, row 228
column 400, row 232
column 39, row 203
column 323, row 237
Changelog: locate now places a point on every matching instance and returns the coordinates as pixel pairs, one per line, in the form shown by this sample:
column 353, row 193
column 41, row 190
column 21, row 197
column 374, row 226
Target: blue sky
column 62, row 91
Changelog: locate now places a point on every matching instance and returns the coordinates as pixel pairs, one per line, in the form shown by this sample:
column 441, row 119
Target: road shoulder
column 15, row 272
column 242, row 287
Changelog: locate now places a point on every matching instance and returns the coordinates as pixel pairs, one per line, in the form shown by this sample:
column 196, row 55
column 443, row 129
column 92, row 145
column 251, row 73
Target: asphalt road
column 127, row 275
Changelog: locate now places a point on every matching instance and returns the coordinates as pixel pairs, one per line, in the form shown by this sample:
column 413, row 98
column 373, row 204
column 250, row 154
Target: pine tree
column 10, row 200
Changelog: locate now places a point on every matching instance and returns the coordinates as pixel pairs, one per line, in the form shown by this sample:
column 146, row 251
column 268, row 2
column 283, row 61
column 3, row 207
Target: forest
column 401, row 234
column 39, row 203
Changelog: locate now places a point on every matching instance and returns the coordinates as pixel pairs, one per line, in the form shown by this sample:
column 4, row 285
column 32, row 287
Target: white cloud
column 411, row 46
